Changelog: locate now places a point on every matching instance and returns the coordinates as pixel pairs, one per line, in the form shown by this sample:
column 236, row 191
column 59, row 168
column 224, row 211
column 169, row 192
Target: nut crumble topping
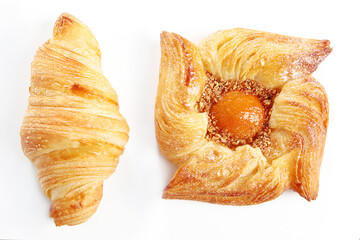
column 213, row 91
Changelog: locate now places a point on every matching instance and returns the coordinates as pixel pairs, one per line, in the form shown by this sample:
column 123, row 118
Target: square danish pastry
column 241, row 116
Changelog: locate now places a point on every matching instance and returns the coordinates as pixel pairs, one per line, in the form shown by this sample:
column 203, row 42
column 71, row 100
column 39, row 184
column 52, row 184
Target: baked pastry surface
column 222, row 159
column 73, row 131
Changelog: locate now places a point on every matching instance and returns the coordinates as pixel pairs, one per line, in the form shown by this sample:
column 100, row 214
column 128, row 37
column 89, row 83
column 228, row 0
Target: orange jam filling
column 238, row 112
column 241, row 114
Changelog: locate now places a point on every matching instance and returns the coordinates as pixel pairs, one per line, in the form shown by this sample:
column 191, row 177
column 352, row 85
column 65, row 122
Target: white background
column 132, row 208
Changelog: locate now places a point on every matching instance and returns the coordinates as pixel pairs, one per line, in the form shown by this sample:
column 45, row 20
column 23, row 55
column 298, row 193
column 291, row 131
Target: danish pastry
column 241, row 115
column 73, row 131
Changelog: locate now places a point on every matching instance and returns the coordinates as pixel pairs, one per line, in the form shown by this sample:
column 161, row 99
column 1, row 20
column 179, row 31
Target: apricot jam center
column 240, row 113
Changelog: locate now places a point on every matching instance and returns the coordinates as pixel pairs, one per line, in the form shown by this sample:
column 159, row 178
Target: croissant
column 73, row 131
column 241, row 115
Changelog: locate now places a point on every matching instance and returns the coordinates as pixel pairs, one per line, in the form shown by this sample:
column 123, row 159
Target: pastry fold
column 211, row 172
column 73, row 131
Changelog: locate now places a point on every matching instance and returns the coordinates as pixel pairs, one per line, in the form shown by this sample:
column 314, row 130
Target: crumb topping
column 213, row 91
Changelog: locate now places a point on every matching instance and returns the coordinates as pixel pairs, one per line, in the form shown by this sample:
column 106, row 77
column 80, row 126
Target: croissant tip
column 163, row 34
column 65, row 17
column 66, row 14
column 62, row 23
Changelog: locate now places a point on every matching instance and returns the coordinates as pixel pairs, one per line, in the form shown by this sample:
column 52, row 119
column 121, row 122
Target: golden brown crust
column 73, row 131
column 211, row 172
column 182, row 80
column 302, row 109
column 271, row 59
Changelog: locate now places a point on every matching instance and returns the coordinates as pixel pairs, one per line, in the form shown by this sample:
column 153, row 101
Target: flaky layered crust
column 73, row 131
column 212, row 172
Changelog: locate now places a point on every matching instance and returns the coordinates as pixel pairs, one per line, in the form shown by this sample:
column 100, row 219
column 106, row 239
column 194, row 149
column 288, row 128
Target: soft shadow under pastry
column 73, row 131
column 241, row 116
